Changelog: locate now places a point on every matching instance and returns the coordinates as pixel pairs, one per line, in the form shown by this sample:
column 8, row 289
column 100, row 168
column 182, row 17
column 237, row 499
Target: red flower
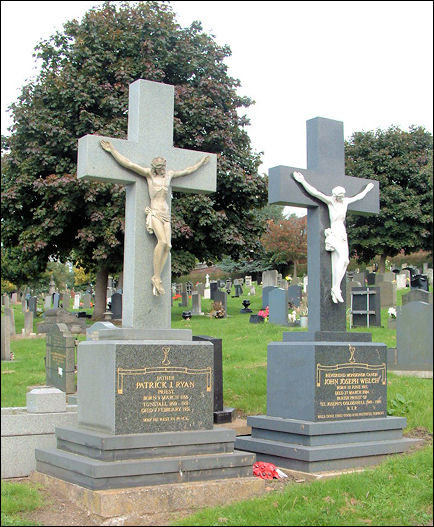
column 265, row 470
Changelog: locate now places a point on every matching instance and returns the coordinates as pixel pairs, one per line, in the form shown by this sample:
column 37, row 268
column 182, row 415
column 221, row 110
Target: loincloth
column 163, row 217
column 332, row 240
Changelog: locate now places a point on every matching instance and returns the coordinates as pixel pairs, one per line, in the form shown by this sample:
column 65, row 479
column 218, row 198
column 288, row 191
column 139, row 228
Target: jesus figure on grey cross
column 158, row 213
column 150, row 168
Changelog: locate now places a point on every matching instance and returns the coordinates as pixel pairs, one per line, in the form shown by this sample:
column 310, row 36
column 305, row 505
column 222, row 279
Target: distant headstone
column 179, row 288
column 417, row 295
column 56, row 300
column 305, row 282
column 252, row 291
column 265, row 292
column 5, row 300
column 60, row 358
column 196, row 301
column 47, row 302
column 213, row 289
column 52, row 286
column 9, row 312
column 401, row 281
column 294, row 295
column 60, row 316
column 188, row 288
column 238, row 291
column 116, row 306
column 200, row 289
column 5, row 338
column 414, row 337
column 14, row 298
column 269, row 278
column 86, row 300
column 76, row 301
column 278, row 303
column 65, row 300
column 28, row 322
column 387, row 293
column 33, row 304
column 184, row 299
column 248, row 281
column 365, row 307
column 221, row 296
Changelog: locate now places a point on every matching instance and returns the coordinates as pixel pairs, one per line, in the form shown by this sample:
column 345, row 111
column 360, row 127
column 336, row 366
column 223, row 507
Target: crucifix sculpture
column 140, row 164
column 311, row 188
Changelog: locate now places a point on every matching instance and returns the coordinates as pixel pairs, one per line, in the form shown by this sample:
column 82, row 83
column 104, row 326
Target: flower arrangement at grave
column 264, row 313
column 217, row 310
column 176, row 297
column 292, row 316
column 391, row 312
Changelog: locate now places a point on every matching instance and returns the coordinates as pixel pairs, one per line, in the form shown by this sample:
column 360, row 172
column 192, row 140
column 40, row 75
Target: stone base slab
column 326, row 446
column 132, row 505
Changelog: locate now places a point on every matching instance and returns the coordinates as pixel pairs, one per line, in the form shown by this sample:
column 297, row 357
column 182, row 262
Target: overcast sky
column 368, row 64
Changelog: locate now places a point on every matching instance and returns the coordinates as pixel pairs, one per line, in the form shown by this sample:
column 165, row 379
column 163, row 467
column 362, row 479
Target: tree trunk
column 382, row 264
column 100, row 293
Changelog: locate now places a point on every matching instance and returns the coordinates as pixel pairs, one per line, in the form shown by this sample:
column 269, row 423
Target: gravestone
column 213, row 285
column 184, row 299
column 32, row 303
column 196, row 304
column 76, row 304
column 365, row 307
column 387, row 293
column 269, row 278
column 66, row 297
column 265, row 295
column 238, row 291
column 5, row 300
column 5, row 338
column 145, row 391
column 252, row 291
column 9, row 312
column 47, row 302
column 28, row 322
column 179, row 288
column 417, row 295
column 222, row 414
column 414, row 338
column 295, row 293
column 278, row 302
column 305, row 282
column 60, row 358
column 52, row 317
column 86, row 300
column 116, row 306
column 200, row 289
column 221, row 296
column 14, row 298
column 188, row 288
column 326, row 387
column 52, row 286
column 401, row 281
column 248, row 281
column 56, row 300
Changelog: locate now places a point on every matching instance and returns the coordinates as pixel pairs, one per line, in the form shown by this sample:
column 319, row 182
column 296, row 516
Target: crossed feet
column 157, row 287
column 336, row 295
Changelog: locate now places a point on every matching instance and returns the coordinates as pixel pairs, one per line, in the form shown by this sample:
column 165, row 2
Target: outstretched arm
column 190, row 170
column 123, row 161
column 362, row 194
column 298, row 176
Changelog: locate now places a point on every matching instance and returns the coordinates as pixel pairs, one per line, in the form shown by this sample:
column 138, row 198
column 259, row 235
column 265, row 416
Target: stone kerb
column 24, row 429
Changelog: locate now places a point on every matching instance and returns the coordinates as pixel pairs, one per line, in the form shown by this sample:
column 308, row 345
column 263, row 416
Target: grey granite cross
column 150, row 135
column 325, row 170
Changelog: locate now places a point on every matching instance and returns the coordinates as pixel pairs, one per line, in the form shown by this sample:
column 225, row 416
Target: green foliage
column 402, row 163
column 399, row 405
column 83, row 89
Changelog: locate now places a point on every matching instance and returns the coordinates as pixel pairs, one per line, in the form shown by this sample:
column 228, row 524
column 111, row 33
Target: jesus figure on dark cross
column 336, row 236
column 158, row 213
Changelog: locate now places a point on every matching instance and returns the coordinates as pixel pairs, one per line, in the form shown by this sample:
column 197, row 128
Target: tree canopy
column 402, row 163
column 82, row 89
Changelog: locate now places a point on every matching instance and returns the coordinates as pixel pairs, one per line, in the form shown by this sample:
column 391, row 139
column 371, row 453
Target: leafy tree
column 286, row 241
column 402, row 163
column 83, row 89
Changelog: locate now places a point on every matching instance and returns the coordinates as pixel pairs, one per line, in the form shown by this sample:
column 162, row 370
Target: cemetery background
column 244, row 361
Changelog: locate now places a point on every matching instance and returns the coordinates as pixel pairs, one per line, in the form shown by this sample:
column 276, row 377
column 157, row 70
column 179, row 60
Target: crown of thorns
column 158, row 162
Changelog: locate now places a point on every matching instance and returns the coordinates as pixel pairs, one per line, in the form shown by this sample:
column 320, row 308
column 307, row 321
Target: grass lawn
column 397, row 492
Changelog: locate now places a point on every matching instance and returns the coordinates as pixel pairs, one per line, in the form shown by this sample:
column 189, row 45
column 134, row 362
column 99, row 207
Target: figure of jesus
column 336, row 236
column 158, row 213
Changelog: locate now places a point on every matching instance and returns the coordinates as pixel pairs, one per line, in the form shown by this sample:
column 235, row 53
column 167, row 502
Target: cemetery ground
column 396, row 492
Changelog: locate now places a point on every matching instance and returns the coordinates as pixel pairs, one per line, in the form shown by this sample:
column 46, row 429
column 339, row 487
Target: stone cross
column 150, row 135
column 325, row 170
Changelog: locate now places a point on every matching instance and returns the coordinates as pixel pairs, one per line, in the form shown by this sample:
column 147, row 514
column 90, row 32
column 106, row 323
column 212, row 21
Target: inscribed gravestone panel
column 116, row 306
column 269, row 278
column 294, row 295
column 60, row 358
column 278, row 303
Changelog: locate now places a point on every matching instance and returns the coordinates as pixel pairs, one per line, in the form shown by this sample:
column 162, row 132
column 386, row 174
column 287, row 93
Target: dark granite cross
column 325, row 170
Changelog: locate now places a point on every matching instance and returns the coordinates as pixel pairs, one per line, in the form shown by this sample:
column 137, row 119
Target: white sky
column 368, row 64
